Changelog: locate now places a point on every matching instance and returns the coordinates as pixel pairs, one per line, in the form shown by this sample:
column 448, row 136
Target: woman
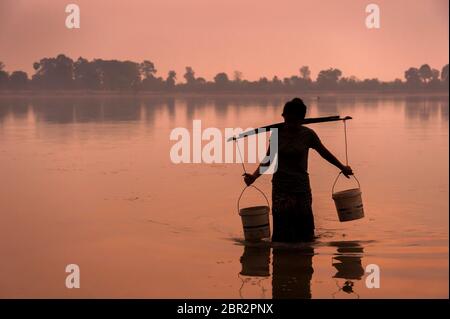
column 293, row 219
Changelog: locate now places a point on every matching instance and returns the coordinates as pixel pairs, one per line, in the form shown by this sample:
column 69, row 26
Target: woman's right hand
column 249, row 179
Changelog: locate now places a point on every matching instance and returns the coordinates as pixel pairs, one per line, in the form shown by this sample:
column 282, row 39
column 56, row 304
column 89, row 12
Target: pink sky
column 258, row 38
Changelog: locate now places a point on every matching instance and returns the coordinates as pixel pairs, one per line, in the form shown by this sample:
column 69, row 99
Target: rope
column 346, row 158
column 346, row 147
column 240, row 156
column 245, row 172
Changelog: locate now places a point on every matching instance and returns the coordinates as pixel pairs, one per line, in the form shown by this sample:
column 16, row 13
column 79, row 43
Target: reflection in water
column 327, row 106
column 58, row 175
column 18, row 107
column 424, row 109
column 125, row 108
column 293, row 270
column 291, row 274
column 255, row 268
column 65, row 110
column 348, row 264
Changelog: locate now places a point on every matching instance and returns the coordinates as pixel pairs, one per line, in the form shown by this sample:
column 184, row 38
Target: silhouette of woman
column 293, row 219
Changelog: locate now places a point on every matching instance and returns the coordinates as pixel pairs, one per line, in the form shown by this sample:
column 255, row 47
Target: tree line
column 63, row 73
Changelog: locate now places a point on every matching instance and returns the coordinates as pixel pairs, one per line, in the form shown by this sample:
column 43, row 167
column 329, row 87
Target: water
column 89, row 181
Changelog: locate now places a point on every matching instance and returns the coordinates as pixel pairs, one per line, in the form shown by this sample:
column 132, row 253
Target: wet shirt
column 293, row 148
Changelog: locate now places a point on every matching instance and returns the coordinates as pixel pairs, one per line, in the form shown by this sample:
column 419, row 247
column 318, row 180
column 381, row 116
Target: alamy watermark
column 73, row 17
column 372, row 20
column 73, row 278
column 373, row 277
column 373, row 17
column 210, row 146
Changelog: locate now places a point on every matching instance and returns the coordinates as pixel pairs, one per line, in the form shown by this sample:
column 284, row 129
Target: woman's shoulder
column 301, row 131
column 310, row 135
column 305, row 129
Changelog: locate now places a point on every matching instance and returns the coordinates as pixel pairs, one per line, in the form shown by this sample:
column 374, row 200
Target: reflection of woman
column 292, row 273
column 293, row 219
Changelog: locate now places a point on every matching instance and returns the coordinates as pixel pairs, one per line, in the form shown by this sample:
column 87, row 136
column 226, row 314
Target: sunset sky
column 258, row 38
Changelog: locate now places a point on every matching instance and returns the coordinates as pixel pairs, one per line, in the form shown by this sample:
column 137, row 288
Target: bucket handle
column 242, row 193
column 335, row 181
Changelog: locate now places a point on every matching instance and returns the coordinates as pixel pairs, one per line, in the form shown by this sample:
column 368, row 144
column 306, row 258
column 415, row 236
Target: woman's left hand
column 347, row 171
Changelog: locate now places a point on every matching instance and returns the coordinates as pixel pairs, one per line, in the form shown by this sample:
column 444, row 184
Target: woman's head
column 294, row 110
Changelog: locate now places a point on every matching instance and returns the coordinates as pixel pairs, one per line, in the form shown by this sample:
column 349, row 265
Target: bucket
column 348, row 202
column 255, row 219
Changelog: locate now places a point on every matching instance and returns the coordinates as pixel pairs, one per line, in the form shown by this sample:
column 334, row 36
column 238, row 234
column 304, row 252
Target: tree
column 425, row 73
column 189, row 76
column 398, row 84
column 153, row 84
column 237, row 76
column 118, row 75
column 328, row 79
column 435, row 75
column 18, row 80
column 54, row 72
column 200, row 81
column 348, row 83
column 370, row 84
column 435, row 82
column 86, row 74
column 221, row 81
column 3, row 76
column 305, row 72
column 287, row 83
column 412, row 77
column 171, row 78
column 277, row 84
column 263, row 84
column 147, row 69
column 61, row 72
column 150, row 82
column 444, row 73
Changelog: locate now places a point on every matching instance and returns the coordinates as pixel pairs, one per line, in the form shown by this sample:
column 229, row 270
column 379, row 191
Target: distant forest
column 62, row 73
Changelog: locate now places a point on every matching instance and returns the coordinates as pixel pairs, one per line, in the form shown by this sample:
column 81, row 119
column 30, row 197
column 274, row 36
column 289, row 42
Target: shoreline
column 318, row 94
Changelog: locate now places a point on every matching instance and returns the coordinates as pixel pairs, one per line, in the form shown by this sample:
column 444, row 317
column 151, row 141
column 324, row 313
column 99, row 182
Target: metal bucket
column 255, row 219
column 348, row 202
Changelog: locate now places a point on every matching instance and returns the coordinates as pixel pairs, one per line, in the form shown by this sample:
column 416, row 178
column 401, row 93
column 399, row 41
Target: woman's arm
column 251, row 178
column 326, row 154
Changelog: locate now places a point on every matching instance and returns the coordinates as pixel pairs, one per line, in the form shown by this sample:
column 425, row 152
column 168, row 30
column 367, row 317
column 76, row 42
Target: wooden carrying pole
column 311, row 120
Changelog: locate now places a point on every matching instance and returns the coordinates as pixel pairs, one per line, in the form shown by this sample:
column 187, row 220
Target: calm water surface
column 89, row 181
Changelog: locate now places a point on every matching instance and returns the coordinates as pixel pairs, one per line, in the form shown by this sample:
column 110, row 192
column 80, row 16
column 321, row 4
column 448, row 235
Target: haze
column 258, row 38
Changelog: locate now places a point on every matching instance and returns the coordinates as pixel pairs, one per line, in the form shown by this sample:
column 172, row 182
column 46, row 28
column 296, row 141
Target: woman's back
column 293, row 148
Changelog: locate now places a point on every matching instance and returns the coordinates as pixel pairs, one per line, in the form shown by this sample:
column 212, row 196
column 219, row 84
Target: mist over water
column 89, row 180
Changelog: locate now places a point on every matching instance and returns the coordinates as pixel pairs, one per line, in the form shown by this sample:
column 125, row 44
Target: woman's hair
column 295, row 108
